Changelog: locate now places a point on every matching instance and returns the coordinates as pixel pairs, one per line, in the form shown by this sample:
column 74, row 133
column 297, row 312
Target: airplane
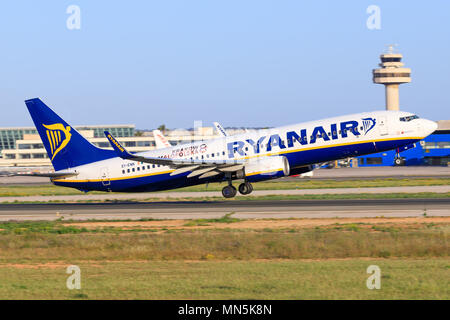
column 253, row 156
column 220, row 129
column 160, row 140
column 222, row 132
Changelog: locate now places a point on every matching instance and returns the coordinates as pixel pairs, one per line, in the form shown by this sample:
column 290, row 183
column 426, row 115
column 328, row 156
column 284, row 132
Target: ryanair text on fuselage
column 302, row 137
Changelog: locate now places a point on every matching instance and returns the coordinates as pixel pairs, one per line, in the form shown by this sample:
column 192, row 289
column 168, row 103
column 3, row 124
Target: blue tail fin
column 65, row 146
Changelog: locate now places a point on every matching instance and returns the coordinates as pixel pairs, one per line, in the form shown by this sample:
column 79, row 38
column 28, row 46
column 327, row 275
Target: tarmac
column 202, row 194
column 251, row 209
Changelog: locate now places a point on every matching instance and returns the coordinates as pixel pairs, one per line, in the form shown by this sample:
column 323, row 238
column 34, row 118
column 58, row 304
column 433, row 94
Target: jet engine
column 266, row 168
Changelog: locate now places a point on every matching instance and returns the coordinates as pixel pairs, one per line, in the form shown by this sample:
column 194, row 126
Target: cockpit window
column 409, row 118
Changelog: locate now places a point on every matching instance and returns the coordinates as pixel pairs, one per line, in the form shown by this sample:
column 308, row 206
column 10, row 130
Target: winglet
column 118, row 148
column 220, row 129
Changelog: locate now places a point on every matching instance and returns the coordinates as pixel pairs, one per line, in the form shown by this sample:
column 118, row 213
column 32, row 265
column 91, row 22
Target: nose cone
column 429, row 126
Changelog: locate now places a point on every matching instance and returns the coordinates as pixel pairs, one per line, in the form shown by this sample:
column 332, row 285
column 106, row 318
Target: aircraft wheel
column 229, row 191
column 245, row 188
column 399, row 161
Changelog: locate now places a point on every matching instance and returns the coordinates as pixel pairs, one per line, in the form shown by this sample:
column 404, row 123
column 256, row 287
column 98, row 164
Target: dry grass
column 262, row 259
column 55, row 241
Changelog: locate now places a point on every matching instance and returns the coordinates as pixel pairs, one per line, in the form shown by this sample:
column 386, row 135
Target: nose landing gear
column 399, row 161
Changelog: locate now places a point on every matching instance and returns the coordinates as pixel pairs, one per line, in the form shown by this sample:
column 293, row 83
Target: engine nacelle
column 266, row 168
column 301, row 170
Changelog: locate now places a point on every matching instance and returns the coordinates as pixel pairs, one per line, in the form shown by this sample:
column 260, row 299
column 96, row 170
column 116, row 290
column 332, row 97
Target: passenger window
column 132, row 170
column 148, row 167
column 123, row 171
column 128, row 170
column 138, row 168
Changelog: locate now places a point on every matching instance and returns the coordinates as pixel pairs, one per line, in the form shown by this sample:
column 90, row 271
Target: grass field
column 226, row 258
column 50, row 190
column 327, row 279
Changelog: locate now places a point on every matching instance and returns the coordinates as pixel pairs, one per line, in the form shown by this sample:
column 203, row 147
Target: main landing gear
column 244, row 188
column 229, row 191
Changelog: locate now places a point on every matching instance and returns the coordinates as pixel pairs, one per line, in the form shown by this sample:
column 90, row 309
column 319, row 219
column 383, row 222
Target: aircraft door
column 382, row 125
column 105, row 177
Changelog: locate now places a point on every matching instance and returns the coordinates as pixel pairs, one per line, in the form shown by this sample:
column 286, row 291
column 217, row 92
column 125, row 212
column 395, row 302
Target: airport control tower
column 391, row 74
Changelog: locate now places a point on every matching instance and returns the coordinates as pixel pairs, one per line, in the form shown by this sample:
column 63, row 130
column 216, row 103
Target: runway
column 242, row 209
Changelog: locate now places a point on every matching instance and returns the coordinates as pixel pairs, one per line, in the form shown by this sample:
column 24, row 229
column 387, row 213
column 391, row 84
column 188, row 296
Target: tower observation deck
column 391, row 74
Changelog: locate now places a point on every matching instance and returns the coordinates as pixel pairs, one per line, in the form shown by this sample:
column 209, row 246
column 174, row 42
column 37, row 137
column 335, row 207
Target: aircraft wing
column 205, row 168
column 58, row 174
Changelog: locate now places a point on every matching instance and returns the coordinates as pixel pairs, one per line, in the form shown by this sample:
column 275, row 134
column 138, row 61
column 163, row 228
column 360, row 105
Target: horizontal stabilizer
column 58, row 174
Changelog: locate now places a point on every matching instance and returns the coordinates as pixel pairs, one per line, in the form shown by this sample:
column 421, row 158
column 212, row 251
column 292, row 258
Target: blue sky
column 243, row 63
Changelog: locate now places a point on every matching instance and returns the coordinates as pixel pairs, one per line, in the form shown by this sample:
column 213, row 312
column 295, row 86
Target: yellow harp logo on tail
column 55, row 137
